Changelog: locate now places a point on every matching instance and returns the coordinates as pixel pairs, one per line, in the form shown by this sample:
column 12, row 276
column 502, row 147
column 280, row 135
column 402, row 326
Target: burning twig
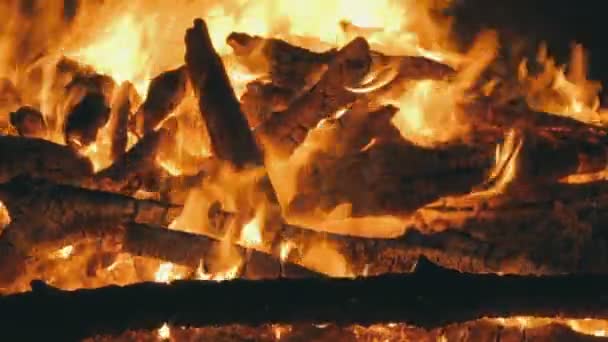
column 231, row 138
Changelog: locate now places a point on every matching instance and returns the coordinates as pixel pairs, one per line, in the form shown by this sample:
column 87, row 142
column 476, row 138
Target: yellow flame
column 120, row 52
column 231, row 273
column 164, row 332
column 587, row 326
column 166, row 273
column 64, row 252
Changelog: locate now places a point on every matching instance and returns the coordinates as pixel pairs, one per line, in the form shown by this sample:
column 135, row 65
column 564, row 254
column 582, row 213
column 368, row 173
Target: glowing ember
column 164, row 332
column 166, row 273
column 64, row 253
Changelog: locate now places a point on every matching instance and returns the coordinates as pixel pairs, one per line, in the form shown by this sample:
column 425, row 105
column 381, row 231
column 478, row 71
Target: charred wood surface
column 85, row 119
column 42, row 159
column 46, row 216
column 285, row 131
column 231, row 138
column 122, row 108
column 135, row 167
column 29, row 122
column 420, row 299
column 165, row 93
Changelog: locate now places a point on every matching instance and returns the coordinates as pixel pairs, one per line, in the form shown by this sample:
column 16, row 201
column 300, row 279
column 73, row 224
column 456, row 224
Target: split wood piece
column 85, row 119
column 123, row 104
column 165, row 93
column 484, row 330
column 293, row 67
column 392, row 178
column 556, row 229
column 29, row 122
column 288, row 66
column 46, row 216
column 41, row 159
column 419, row 299
column 285, row 131
column 261, row 99
column 231, row 138
column 206, row 252
column 483, row 112
column 135, row 167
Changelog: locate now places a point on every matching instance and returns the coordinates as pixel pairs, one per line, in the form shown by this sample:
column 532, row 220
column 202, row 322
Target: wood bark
column 419, row 299
column 283, row 132
column 41, row 159
column 231, row 138
column 135, row 167
column 125, row 100
column 46, row 216
column 165, row 93
column 29, row 122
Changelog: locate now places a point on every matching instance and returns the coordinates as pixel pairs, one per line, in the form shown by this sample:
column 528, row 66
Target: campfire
column 273, row 170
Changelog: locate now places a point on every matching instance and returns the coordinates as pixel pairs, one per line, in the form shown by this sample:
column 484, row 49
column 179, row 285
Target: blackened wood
column 285, row 131
column 29, row 122
column 165, row 93
column 231, row 138
column 85, row 119
column 427, row 298
column 42, row 159
column 123, row 103
column 128, row 173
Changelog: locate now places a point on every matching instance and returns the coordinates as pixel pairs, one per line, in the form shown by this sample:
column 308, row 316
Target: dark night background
column 558, row 22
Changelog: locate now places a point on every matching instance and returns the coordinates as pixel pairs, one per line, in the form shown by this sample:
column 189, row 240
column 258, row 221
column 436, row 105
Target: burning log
column 419, row 299
column 285, row 131
column 159, row 242
column 231, row 138
column 289, row 66
column 41, row 159
column 293, row 68
column 85, row 119
column 29, row 122
column 46, row 216
column 165, row 93
column 122, row 107
column 129, row 172
column 260, row 100
column 392, row 178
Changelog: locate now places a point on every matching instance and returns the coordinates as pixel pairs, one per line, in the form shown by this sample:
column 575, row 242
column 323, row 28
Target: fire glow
column 359, row 124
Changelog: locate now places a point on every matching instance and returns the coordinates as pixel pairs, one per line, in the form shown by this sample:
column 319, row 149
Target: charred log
column 285, row 131
column 42, row 159
column 84, row 120
column 134, row 168
column 419, row 299
column 122, row 108
column 260, row 100
column 29, row 122
column 165, row 93
column 46, row 216
column 231, row 138
column 289, row 66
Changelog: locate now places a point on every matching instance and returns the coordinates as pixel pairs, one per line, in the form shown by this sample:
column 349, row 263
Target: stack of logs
column 536, row 226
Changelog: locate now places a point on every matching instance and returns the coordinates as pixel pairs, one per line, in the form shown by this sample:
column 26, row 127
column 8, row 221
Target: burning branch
column 231, row 138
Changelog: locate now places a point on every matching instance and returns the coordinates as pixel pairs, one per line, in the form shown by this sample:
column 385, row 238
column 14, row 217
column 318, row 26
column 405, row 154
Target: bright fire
column 138, row 41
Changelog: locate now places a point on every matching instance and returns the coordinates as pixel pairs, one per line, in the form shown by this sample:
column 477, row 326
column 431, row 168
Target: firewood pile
column 338, row 162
